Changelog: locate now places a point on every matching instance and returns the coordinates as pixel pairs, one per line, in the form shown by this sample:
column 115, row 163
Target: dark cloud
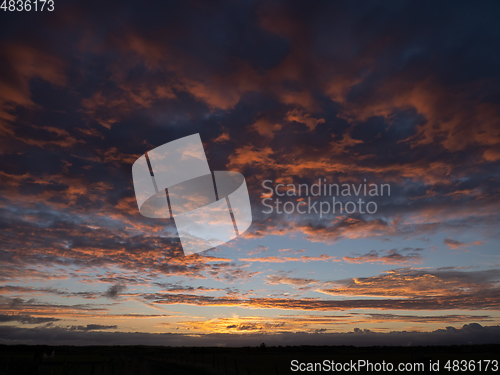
column 469, row 334
column 291, row 98
column 392, row 256
column 114, row 291
column 454, row 244
column 26, row 319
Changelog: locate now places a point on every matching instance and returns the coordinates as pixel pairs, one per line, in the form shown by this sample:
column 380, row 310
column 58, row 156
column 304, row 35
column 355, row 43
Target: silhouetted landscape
column 262, row 360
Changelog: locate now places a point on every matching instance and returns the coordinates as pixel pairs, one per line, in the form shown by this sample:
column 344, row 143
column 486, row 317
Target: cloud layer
column 399, row 93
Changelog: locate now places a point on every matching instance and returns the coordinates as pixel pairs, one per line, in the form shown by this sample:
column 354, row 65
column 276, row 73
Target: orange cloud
column 303, row 118
column 266, row 128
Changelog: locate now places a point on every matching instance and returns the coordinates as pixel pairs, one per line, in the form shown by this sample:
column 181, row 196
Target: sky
column 398, row 94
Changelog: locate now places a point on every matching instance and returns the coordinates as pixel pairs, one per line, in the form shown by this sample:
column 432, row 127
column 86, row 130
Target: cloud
column 400, row 289
column 296, row 281
column 178, row 288
column 411, row 282
column 392, row 257
column 114, row 291
column 487, row 300
column 259, row 249
column 311, row 323
column 26, row 319
column 304, row 118
column 265, row 128
column 303, row 259
column 469, row 334
column 22, row 63
column 454, row 244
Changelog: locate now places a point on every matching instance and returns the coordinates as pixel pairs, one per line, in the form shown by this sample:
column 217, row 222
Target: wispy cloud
column 303, row 259
column 393, row 256
column 454, row 244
